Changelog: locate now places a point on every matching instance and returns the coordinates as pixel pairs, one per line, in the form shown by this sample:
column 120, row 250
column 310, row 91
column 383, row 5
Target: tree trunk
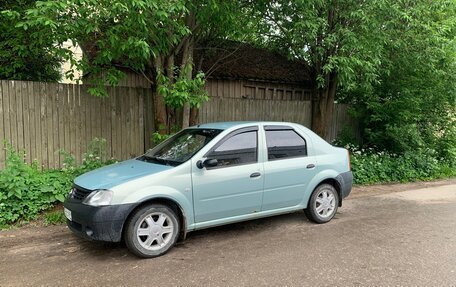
column 194, row 113
column 187, row 65
column 171, row 112
column 160, row 115
column 323, row 107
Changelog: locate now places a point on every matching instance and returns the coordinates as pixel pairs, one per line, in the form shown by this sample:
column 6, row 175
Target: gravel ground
column 384, row 235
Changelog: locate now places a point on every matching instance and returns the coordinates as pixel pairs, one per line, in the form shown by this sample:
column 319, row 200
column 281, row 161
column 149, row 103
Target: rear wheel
column 152, row 230
column 323, row 204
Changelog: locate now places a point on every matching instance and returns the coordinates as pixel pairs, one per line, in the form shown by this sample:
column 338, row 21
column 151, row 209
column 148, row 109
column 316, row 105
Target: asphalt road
column 398, row 235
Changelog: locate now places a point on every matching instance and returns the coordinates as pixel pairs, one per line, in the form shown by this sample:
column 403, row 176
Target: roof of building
column 224, row 59
column 237, row 60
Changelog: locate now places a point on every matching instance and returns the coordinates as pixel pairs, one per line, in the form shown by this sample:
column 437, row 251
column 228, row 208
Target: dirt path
column 401, row 234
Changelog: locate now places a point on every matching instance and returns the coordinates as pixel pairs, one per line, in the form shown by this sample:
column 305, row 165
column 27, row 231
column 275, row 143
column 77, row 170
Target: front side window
column 284, row 144
column 238, row 149
column 181, row 147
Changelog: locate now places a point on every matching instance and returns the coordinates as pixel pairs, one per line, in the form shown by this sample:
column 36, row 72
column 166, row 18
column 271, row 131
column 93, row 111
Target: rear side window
column 238, row 149
column 285, row 144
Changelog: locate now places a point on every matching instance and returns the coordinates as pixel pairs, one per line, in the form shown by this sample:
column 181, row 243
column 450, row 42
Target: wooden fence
column 238, row 109
column 43, row 118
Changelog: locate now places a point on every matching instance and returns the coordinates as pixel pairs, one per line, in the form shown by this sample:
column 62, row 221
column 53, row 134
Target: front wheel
column 323, row 204
column 152, row 230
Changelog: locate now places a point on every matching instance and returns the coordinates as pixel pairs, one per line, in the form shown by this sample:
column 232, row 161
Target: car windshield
column 180, row 147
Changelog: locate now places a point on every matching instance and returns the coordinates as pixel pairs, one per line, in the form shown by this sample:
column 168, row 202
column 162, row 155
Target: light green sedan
column 209, row 175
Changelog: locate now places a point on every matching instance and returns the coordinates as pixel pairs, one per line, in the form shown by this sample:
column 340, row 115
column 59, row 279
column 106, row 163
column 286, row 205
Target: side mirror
column 210, row 162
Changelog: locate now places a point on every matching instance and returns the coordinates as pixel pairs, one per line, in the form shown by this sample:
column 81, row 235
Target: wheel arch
column 328, row 177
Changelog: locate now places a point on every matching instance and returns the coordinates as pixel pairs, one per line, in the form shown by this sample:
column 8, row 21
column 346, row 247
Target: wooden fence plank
column 140, row 111
column 128, row 123
column 135, row 122
column 77, row 123
column 106, row 123
column 85, row 118
column 61, row 95
column 113, row 123
column 124, row 123
column 55, row 125
column 6, row 112
column 51, row 120
column 118, row 121
column 36, row 97
column 13, row 114
column 2, row 130
column 33, row 124
column 43, row 122
column 26, row 119
column 20, row 119
column 66, row 110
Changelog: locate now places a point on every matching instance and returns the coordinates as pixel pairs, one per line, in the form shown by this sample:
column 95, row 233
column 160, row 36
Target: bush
column 26, row 190
column 370, row 166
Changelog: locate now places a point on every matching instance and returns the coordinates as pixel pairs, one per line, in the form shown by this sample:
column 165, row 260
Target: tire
column 322, row 204
column 152, row 230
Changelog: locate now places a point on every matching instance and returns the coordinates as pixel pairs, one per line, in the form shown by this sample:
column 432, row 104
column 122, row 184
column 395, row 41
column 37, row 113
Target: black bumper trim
column 100, row 223
column 345, row 181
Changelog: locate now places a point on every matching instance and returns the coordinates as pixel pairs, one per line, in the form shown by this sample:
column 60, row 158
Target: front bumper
column 101, row 223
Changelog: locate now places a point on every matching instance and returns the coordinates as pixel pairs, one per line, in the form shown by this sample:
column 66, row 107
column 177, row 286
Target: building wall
column 66, row 66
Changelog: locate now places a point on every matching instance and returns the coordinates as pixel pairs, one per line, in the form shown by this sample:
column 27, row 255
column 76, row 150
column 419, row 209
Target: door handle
column 309, row 166
column 255, row 174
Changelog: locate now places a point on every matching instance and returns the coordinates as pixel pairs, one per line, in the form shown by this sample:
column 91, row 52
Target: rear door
column 287, row 169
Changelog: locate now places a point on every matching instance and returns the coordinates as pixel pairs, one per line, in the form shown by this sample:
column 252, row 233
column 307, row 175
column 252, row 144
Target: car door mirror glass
column 210, row 162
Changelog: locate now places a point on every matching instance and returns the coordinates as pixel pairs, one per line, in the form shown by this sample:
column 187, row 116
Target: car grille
column 79, row 193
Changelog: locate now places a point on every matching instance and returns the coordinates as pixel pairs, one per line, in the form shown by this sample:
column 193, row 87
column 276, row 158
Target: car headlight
column 99, row 198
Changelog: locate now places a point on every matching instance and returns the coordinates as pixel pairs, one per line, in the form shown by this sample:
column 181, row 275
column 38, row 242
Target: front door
column 234, row 186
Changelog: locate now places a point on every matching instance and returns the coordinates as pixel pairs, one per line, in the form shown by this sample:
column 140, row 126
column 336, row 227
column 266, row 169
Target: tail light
column 349, row 163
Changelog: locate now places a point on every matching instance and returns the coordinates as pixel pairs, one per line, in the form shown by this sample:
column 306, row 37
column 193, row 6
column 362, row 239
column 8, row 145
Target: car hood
column 118, row 173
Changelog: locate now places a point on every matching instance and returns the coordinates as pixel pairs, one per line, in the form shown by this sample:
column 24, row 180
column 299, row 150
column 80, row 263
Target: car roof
column 227, row 125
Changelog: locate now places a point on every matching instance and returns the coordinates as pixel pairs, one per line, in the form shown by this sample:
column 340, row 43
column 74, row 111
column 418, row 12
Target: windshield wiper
column 159, row 160
column 153, row 159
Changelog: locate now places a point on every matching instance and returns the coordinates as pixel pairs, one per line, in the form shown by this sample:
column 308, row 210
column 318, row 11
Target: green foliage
column 340, row 41
column 183, row 90
column 25, row 53
column 26, row 190
column 111, row 33
column 412, row 106
column 369, row 166
column 54, row 218
column 158, row 138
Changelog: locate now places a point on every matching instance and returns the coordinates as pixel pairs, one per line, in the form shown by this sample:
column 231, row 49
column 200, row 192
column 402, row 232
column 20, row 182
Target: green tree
column 340, row 40
column 413, row 104
column 21, row 56
column 153, row 37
